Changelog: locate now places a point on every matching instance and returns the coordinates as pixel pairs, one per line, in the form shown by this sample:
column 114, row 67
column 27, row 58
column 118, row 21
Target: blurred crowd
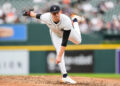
column 8, row 14
column 93, row 14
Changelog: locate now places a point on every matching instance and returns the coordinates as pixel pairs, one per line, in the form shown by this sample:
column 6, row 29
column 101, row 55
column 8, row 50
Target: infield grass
column 95, row 75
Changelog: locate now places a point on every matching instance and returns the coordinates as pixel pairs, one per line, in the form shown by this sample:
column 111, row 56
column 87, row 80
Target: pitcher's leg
column 57, row 44
column 75, row 35
column 62, row 64
column 76, row 27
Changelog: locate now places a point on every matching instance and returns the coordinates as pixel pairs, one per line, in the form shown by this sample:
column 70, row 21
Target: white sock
column 62, row 66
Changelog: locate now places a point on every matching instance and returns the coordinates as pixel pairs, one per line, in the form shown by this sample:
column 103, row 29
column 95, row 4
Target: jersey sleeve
column 43, row 17
column 67, row 23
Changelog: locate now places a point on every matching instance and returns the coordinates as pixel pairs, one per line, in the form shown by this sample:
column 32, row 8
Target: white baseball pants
column 75, row 37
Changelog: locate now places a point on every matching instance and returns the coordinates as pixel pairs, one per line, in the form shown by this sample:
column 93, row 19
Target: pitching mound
column 53, row 80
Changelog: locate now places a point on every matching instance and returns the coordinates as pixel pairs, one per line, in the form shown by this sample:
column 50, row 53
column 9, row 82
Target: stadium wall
column 38, row 34
column 38, row 44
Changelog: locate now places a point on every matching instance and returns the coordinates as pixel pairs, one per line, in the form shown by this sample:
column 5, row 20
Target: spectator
column 109, row 4
column 102, row 8
column 114, row 25
column 97, row 24
column 67, row 10
column 67, row 2
column 87, row 7
column 2, row 17
column 10, row 13
column 84, row 27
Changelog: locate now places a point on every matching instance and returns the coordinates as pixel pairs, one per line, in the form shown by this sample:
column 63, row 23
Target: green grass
column 95, row 75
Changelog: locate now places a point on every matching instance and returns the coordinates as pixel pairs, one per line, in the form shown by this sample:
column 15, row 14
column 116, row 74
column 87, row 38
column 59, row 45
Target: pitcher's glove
column 27, row 12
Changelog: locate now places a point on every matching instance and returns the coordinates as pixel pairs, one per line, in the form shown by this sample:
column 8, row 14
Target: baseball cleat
column 68, row 80
column 79, row 18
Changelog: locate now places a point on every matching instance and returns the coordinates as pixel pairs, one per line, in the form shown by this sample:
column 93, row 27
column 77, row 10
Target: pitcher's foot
column 68, row 80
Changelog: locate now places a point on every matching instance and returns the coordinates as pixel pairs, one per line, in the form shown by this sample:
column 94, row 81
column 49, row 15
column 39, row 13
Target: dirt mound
column 54, row 80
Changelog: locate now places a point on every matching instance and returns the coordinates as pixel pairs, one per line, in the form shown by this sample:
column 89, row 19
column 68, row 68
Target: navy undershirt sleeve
column 38, row 16
column 66, row 34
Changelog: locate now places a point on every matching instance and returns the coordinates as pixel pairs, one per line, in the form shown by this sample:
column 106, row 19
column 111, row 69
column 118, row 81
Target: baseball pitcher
column 61, row 30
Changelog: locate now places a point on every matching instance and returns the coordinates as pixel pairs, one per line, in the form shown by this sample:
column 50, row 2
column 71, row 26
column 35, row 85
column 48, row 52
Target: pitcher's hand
column 27, row 12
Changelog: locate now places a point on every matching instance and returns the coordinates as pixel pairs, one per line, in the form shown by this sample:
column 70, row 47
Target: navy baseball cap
column 54, row 8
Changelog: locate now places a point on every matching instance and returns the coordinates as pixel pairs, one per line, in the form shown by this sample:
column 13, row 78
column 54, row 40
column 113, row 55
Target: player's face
column 56, row 16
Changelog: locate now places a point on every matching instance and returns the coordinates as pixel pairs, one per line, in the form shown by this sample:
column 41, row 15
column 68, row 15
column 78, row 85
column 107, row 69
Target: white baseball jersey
column 64, row 23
